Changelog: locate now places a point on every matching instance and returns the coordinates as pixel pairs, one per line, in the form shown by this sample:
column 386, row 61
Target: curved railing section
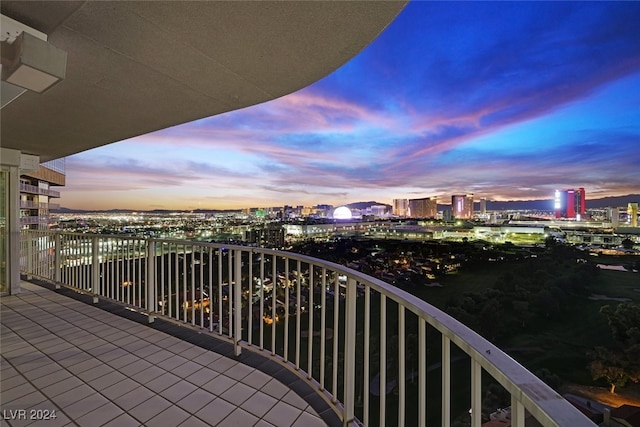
column 377, row 354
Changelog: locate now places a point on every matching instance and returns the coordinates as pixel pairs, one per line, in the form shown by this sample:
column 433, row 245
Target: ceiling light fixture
column 32, row 63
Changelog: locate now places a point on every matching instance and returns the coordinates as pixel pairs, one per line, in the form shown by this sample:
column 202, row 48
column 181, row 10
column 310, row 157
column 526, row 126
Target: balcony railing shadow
column 375, row 353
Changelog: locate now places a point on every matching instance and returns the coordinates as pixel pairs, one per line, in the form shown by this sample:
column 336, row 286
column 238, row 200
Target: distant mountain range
column 542, row 205
column 547, row 205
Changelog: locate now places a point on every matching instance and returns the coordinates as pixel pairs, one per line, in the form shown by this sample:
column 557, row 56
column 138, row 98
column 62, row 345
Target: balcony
column 34, row 189
column 374, row 354
column 30, row 204
column 30, row 220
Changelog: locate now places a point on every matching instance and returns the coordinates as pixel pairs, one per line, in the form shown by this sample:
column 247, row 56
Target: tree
column 618, row 367
column 627, row 243
column 612, row 367
column 624, row 322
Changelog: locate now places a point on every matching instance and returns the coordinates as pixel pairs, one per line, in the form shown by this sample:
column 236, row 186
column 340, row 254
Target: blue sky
column 506, row 100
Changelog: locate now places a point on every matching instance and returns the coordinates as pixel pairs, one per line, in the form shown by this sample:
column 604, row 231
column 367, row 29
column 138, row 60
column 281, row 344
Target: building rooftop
column 94, row 368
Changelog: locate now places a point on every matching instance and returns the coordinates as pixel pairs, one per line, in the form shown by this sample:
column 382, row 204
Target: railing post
column 95, row 269
column 476, row 393
column 446, row 381
column 517, row 412
column 57, row 259
column 237, row 302
column 422, row 372
column 150, row 296
column 350, row 353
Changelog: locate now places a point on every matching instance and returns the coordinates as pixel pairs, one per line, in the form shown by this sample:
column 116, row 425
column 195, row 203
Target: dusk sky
column 508, row 101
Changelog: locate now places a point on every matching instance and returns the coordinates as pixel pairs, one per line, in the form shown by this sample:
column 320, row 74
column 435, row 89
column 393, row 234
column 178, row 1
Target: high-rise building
column 614, row 216
column 401, row 207
column 423, row 208
column 632, row 214
column 36, row 193
column 570, row 204
column 483, row 205
column 378, row 211
column 462, row 206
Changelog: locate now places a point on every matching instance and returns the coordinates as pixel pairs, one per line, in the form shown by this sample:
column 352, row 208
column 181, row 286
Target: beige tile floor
column 90, row 367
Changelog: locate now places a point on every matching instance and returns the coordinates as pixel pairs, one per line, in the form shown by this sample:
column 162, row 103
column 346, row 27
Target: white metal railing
column 34, row 189
column 370, row 349
column 28, row 188
column 29, row 204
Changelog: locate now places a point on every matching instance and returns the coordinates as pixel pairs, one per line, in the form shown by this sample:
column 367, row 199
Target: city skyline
column 509, row 101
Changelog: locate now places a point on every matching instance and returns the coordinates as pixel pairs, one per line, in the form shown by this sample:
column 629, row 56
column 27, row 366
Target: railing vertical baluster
column 202, row 288
column 476, row 393
column 298, row 278
column 112, row 275
column 310, row 316
column 106, row 279
column 163, row 297
column 220, row 314
column 177, row 282
column 211, row 307
column 151, row 280
column 118, row 282
column 184, row 283
column 141, row 246
column 367, row 349
column 274, row 294
column 323, row 311
column 71, row 261
column 95, row 273
column 80, row 270
column 286, row 310
column 128, row 276
column 350, row 353
column 422, row 372
column 383, row 359
column 446, row 381
column 237, row 297
column 230, row 285
column 250, row 302
column 192, row 268
column 401, row 365
column 37, row 267
column 336, row 327
column 262, row 255
column 58, row 259
column 30, row 259
column 79, row 282
column 171, row 282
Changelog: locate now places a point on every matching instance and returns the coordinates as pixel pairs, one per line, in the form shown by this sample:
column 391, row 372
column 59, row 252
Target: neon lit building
column 570, row 204
column 462, row 206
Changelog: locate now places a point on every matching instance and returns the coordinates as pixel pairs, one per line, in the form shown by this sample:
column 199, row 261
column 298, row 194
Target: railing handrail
column 545, row 404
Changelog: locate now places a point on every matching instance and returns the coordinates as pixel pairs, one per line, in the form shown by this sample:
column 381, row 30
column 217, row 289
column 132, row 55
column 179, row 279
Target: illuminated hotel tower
column 462, row 206
column 401, row 207
column 632, row 214
column 423, row 208
column 570, row 204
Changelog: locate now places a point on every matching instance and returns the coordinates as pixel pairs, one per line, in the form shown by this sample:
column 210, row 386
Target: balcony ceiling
column 137, row 67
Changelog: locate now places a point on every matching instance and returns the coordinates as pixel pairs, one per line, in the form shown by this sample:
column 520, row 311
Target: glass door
column 4, row 238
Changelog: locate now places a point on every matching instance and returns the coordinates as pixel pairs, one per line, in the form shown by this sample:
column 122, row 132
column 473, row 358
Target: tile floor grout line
column 68, row 302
